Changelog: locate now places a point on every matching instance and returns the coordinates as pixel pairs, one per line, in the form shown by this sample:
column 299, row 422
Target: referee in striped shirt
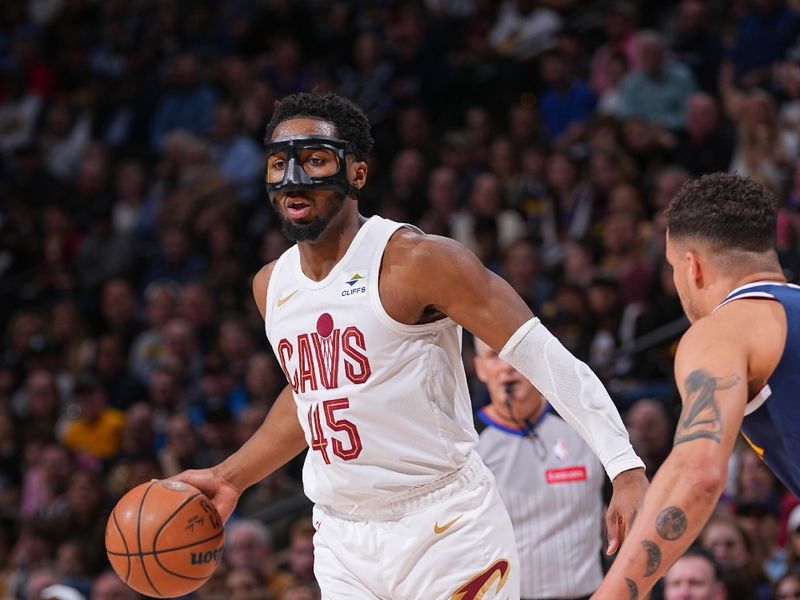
column 549, row 479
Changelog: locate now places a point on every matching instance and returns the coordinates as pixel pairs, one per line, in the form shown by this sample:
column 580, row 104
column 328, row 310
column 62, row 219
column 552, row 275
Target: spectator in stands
column 650, row 429
column 566, row 102
column 696, row 44
column 110, row 365
column 197, row 306
column 301, row 550
column 522, row 270
column 486, row 203
column 118, row 310
column 80, row 514
column 694, row 576
column 659, row 89
column 248, row 544
column 96, row 433
column 187, row 103
column 236, row 154
column 181, row 449
column 760, row 519
column 623, row 256
column 38, row 404
column 161, row 299
column 523, row 29
column 367, row 81
column 19, row 112
column 138, row 437
column 707, row 145
column 622, row 38
column 734, row 550
column 45, row 478
column 764, row 33
column 443, row 201
column 763, row 149
column 129, row 190
column 245, row 584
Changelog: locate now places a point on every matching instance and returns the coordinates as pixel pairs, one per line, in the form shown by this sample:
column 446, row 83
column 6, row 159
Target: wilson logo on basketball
column 316, row 358
column 203, row 558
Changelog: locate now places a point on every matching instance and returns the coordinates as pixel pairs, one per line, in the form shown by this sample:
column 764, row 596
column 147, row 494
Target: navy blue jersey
column 772, row 419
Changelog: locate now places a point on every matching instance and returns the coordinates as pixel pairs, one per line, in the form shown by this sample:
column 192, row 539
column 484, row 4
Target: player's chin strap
column 574, row 391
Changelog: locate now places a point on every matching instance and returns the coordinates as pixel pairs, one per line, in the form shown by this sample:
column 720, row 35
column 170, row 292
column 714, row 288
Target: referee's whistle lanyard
column 528, row 428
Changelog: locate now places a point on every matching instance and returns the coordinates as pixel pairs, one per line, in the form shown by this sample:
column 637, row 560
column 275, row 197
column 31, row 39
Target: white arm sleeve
column 574, row 391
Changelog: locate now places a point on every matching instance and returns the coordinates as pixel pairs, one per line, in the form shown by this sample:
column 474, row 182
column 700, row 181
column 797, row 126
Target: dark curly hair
column 350, row 121
column 729, row 211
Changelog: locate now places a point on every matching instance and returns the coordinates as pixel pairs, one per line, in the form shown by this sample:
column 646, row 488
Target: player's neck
column 317, row 258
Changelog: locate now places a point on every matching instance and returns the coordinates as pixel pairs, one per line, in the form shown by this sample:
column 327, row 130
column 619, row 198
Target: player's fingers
column 198, row 478
column 612, row 527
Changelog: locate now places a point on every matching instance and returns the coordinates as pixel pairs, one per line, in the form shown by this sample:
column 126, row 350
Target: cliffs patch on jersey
column 318, row 358
column 355, row 285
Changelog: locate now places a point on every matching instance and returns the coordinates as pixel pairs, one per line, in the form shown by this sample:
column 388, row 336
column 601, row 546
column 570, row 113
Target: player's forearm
column 677, row 505
column 575, row 392
column 279, row 439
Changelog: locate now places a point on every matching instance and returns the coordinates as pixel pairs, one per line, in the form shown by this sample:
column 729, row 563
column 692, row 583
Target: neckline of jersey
column 754, row 284
column 520, row 431
column 337, row 268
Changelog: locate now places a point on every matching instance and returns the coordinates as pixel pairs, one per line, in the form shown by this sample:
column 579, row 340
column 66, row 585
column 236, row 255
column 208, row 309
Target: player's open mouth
column 297, row 208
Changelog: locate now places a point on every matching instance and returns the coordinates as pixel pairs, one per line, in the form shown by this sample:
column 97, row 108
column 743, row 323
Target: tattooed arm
column 711, row 373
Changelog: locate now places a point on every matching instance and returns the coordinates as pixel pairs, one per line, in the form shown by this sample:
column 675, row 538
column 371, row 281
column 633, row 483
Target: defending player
column 737, row 365
column 364, row 317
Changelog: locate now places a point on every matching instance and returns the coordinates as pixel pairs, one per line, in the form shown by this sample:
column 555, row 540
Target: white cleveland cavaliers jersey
column 384, row 405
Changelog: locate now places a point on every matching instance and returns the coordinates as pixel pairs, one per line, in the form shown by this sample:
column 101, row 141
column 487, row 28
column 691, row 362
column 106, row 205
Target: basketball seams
column 175, row 549
column 124, row 543
column 139, row 539
column 169, row 518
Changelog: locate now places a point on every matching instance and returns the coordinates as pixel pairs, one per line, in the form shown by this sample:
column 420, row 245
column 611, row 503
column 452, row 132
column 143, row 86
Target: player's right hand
column 222, row 493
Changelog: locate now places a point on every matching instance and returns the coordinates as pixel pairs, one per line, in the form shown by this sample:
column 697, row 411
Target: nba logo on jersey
column 355, row 285
column 313, row 361
column 560, row 449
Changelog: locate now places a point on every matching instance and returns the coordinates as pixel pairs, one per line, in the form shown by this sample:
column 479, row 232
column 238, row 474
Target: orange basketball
column 164, row 538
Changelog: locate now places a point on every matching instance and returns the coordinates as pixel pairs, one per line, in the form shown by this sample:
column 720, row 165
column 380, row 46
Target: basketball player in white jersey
column 365, row 318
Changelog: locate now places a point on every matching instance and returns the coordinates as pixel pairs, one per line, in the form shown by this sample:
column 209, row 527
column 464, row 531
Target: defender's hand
column 629, row 489
column 223, row 495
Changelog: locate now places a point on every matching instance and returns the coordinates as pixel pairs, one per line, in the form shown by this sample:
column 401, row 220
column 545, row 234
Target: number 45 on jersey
column 319, row 442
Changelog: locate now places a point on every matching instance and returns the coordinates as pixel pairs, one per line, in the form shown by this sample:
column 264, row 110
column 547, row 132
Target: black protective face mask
column 307, row 163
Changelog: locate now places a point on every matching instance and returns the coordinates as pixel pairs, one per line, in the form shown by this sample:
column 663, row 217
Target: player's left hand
column 629, row 489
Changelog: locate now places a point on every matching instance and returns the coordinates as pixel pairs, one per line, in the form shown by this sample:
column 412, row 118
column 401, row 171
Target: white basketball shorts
column 451, row 541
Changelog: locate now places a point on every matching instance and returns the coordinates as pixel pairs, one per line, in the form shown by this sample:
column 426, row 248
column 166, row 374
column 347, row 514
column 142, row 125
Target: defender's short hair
column 729, row 211
column 352, row 125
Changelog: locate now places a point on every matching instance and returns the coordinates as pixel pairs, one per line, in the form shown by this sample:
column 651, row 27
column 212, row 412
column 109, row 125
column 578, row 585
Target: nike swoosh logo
column 437, row 529
column 285, row 299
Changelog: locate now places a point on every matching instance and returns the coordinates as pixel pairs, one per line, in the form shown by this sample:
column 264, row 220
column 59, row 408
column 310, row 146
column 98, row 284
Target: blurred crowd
column 546, row 135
